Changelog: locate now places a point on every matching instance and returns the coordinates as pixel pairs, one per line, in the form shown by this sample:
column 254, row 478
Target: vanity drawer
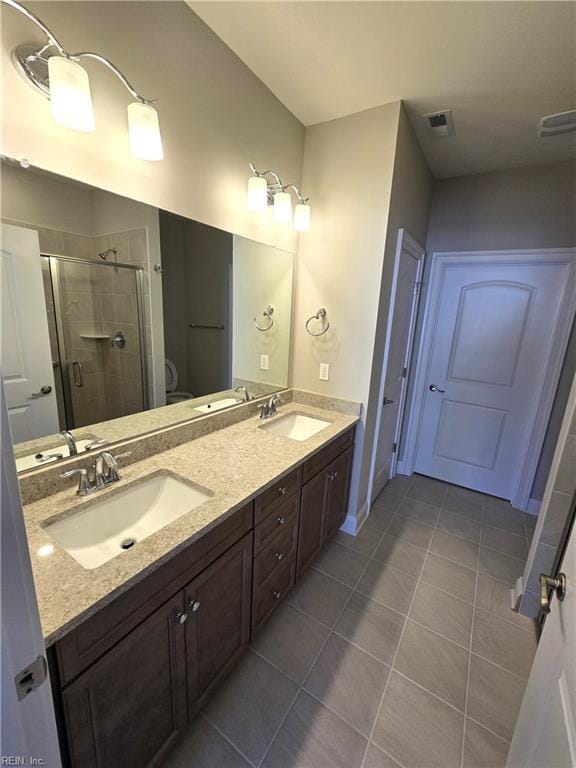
column 328, row 454
column 276, row 553
column 272, row 592
column 83, row 645
column 268, row 501
column 285, row 515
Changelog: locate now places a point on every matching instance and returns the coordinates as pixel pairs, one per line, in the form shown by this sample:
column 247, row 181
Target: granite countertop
column 235, row 463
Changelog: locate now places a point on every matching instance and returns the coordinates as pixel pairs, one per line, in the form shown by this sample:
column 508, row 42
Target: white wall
column 46, row 201
column 410, row 200
column 348, row 165
column 215, row 114
column 261, row 276
column 531, row 207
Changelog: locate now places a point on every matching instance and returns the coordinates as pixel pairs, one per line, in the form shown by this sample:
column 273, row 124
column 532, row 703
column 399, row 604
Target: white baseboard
column 402, row 468
column 533, row 507
column 353, row 523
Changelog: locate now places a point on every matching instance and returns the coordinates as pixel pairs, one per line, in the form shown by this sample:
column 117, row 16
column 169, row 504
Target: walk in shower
column 96, row 329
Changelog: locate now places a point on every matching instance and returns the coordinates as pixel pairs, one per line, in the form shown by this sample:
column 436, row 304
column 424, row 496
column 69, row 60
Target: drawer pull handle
column 194, row 604
column 276, row 595
column 181, row 617
column 279, row 556
column 282, row 490
column 281, row 520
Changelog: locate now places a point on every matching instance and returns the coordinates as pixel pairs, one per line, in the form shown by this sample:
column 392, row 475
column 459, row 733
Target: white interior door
column 26, row 361
column 545, row 734
column 398, row 349
column 490, row 330
column 28, row 723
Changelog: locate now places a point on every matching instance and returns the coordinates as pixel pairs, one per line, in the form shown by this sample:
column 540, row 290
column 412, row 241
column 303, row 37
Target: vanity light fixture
column 58, row 75
column 267, row 188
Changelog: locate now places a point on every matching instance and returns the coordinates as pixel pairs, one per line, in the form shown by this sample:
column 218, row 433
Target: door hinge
column 404, row 372
column 31, row 677
column 394, row 447
column 417, row 287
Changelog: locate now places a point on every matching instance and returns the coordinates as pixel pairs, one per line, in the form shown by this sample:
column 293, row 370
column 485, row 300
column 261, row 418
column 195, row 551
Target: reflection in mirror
column 119, row 318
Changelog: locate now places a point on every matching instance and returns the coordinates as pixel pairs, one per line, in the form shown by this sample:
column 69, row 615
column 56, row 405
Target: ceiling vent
column 439, row 124
column 552, row 125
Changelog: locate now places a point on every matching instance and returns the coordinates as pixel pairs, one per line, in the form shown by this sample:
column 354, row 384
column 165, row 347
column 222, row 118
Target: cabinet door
column 130, row 703
column 218, row 627
column 312, row 513
column 339, row 473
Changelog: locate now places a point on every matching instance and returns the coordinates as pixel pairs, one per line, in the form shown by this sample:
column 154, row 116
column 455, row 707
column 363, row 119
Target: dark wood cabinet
column 312, row 510
column 129, row 705
column 323, row 508
column 218, row 628
column 338, row 486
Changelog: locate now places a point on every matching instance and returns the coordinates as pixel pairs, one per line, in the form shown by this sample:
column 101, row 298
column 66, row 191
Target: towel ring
column 268, row 312
column 320, row 315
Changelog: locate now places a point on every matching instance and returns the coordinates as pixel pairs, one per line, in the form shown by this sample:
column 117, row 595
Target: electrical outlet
column 263, row 362
column 324, row 371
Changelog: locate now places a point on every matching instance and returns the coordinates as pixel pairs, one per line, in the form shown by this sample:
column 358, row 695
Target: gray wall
column 531, row 207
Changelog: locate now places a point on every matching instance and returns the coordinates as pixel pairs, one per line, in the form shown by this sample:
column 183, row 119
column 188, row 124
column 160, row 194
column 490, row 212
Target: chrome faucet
column 246, row 393
column 70, row 442
column 269, row 409
column 103, row 472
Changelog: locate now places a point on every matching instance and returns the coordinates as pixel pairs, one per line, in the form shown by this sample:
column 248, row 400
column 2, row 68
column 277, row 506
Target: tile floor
column 397, row 648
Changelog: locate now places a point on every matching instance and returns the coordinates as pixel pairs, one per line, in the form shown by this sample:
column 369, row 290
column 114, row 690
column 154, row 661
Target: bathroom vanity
column 137, row 644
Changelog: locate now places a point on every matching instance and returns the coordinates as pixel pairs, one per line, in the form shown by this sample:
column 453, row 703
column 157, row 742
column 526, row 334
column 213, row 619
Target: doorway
column 405, row 291
column 495, row 331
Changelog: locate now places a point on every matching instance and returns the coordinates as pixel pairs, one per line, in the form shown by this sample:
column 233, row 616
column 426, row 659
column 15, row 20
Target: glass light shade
column 70, row 98
column 302, row 217
column 257, row 193
column 282, row 207
column 144, row 131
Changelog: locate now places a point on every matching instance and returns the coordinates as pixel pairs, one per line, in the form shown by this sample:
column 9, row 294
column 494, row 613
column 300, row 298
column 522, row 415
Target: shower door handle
column 77, row 373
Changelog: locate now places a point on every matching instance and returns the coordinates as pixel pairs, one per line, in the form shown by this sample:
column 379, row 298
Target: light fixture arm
column 54, row 42
column 277, row 185
column 40, row 24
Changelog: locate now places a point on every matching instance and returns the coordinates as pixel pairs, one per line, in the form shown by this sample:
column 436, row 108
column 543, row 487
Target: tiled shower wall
column 557, row 506
column 132, row 247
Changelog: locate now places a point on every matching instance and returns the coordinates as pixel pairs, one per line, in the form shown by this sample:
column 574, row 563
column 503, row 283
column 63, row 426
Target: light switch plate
column 263, row 362
column 324, row 371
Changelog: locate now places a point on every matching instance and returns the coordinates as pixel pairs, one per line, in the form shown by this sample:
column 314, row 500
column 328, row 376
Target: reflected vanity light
column 267, row 188
column 58, row 75
column 45, row 550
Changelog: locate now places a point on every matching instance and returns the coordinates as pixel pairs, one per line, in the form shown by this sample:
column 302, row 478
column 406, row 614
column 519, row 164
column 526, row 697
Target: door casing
column 548, row 379
column 404, row 242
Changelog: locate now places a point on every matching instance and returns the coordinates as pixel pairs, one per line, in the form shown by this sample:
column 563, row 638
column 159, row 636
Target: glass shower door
column 100, row 339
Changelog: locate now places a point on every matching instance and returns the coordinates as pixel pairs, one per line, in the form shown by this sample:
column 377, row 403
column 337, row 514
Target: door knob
column 45, row 390
column 547, row 583
column 434, row 388
column 388, row 402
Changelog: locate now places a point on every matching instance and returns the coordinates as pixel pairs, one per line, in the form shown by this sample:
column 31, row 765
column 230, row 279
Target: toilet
column 171, row 377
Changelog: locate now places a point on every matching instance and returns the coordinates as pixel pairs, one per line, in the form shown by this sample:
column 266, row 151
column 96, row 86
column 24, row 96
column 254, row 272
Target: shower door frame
column 53, row 266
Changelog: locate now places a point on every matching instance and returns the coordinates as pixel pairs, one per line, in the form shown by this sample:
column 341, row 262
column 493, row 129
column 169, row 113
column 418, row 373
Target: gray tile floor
column 397, row 648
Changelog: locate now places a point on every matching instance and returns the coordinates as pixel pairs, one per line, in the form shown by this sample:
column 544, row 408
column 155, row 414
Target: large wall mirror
column 119, row 318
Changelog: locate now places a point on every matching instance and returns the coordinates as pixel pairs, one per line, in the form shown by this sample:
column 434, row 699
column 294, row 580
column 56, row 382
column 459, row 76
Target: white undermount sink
column 218, row 405
column 296, row 426
column 103, row 528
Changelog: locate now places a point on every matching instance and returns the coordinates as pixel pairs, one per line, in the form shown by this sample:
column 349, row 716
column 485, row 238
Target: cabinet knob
column 181, row 617
column 282, row 490
column 194, row 604
column 276, row 595
column 281, row 520
column 279, row 556
column 335, row 474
